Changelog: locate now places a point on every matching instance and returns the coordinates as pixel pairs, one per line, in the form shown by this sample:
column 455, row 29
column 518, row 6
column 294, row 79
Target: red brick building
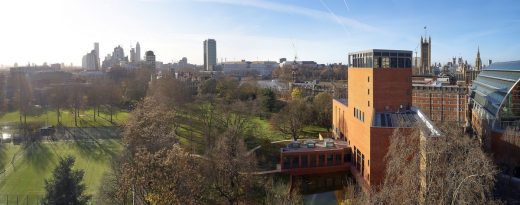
column 379, row 100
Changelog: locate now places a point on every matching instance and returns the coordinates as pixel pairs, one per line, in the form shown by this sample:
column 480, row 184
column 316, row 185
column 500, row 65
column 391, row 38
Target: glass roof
column 493, row 84
column 511, row 65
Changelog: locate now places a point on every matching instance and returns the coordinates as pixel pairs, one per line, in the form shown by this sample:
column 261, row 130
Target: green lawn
column 38, row 161
column 67, row 118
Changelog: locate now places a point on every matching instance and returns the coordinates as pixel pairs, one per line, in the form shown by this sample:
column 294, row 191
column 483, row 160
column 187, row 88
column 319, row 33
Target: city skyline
column 324, row 31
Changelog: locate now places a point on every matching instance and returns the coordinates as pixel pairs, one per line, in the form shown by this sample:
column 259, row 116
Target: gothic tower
column 478, row 61
column 426, row 48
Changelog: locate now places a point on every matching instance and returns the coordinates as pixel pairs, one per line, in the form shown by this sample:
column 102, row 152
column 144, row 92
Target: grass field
column 192, row 130
column 37, row 162
column 67, row 118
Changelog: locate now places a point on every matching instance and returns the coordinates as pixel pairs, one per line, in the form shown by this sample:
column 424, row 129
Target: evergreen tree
column 269, row 100
column 66, row 186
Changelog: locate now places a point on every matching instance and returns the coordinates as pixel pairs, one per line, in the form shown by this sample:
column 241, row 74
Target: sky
column 62, row 31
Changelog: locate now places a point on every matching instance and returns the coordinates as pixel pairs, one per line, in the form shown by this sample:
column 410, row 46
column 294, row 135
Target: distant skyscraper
column 133, row 57
column 118, row 53
column 138, row 52
column 210, row 54
column 478, row 61
column 150, row 58
column 96, row 48
column 426, row 48
column 90, row 61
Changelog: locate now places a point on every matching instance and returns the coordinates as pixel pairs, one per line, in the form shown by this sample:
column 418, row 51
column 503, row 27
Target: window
column 294, row 163
column 330, row 159
column 338, row 159
column 369, row 91
column 313, row 161
column 386, row 62
column 368, row 78
column 304, row 161
column 369, row 103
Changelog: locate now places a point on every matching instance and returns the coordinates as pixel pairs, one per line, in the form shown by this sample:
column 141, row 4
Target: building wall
column 392, row 88
column 339, row 122
column 441, row 104
column 374, row 90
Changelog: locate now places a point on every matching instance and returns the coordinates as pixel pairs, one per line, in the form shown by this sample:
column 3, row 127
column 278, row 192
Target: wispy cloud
column 346, row 5
column 335, row 16
column 288, row 8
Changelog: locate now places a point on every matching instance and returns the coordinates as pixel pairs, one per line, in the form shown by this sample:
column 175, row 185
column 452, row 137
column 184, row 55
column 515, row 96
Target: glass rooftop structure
column 496, row 90
column 380, row 58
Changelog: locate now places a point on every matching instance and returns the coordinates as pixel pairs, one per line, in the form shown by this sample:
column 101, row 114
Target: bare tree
column 292, row 118
column 230, row 167
column 280, row 193
column 450, row 169
column 58, row 100
column 322, row 105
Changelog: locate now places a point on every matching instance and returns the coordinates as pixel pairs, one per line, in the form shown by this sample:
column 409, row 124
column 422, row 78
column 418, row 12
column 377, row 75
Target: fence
column 6, row 199
column 30, row 199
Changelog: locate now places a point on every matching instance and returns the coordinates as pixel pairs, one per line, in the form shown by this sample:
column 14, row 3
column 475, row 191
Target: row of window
column 445, row 102
column 313, row 160
column 422, row 95
column 424, row 108
column 359, row 114
column 382, row 62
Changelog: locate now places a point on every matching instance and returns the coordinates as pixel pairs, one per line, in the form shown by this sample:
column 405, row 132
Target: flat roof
column 319, row 147
column 380, row 50
column 405, row 119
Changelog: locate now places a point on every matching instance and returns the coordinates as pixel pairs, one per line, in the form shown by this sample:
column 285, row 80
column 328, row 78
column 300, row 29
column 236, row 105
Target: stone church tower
column 478, row 61
column 426, row 53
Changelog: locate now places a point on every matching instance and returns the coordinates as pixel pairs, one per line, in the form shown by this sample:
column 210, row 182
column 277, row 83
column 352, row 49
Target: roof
column 405, row 119
column 380, row 50
column 494, row 84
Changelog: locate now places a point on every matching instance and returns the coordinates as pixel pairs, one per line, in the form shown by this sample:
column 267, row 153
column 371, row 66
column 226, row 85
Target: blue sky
column 321, row 30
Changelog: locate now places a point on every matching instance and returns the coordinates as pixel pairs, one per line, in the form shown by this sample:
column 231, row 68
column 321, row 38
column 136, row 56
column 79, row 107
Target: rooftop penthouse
column 380, row 58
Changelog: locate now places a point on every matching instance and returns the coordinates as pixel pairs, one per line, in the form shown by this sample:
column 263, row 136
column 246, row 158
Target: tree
column 112, row 98
column 23, row 96
column 230, row 168
column 76, row 99
column 154, row 168
column 281, row 193
column 450, row 169
column 66, row 186
column 296, row 93
column 322, row 105
column 268, row 100
column 170, row 91
column 168, row 176
column 207, row 114
column 292, row 118
column 57, row 99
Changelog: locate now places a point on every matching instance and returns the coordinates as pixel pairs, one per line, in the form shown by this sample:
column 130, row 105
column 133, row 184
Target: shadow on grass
column 95, row 150
column 88, row 144
column 3, row 156
column 39, row 155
